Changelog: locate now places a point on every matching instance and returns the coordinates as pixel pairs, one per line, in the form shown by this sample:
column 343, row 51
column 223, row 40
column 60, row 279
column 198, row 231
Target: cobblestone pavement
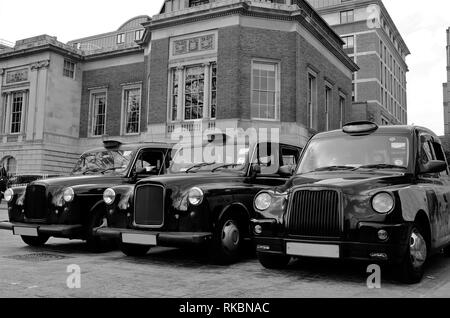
column 32, row 272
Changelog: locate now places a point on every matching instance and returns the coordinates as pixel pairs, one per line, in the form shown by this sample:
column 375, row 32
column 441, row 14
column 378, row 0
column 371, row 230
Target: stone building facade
column 196, row 65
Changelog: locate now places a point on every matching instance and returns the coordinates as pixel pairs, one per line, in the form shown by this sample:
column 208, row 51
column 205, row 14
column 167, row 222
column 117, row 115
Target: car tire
column 96, row 244
column 273, row 261
column 227, row 242
column 134, row 249
column 412, row 268
column 35, row 241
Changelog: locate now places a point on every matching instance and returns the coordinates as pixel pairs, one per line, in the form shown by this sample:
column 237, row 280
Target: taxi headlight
column 195, row 196
column 383, row 203
column 109, row 196
column 68, row 195
column 263, row 201
column 8, row 195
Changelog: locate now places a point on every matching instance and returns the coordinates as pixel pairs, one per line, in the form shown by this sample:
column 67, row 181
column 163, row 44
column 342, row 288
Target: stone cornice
column 39, row 65
column 330, row 39
column 37, row 49
column 115, row 53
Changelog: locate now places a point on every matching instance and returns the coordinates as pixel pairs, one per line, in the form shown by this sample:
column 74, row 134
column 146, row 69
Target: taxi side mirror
column 433, row 166
column 255, row 169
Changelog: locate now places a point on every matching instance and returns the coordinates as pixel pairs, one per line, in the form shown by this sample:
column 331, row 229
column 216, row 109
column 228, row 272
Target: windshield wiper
column 381, row 166
column 200, row 165
column 109, row 169
column 334, row 168
column 90, row 170
column 230, row 165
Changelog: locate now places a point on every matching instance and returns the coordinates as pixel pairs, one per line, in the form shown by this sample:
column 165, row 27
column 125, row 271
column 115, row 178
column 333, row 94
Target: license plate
column 139, row 239
column 313, row 250
column 26, row 231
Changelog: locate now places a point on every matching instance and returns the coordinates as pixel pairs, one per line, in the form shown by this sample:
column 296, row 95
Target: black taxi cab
column 201, row 201
column 72, row 206
column 379, row 194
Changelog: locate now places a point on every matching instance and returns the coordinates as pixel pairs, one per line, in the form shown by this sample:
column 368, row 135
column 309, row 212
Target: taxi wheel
column 94, row 243
column 272, row 261
column 412, row 267
column 227, row 241
column 35, row 241
column 134, row 249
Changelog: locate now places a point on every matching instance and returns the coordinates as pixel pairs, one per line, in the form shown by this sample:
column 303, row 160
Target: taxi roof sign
column 360, row 127
column 111, row 144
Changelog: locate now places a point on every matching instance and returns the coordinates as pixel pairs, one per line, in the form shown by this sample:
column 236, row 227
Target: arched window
column 10, row 164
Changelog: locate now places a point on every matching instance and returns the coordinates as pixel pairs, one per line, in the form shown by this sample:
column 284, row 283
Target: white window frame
column 328, row 104
column 74, row 68
column 124, row 110
column 342, row 102
column 277, row 64
column 181, row 69
column 311, row 100
column 346, row 45
column 92, row 95
column 140, row 32
column 7, row 105
column 120, row 39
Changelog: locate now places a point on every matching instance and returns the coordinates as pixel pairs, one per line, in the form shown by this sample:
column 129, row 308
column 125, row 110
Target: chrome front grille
column 36, row 202
column 315, row 213
column 149, row 206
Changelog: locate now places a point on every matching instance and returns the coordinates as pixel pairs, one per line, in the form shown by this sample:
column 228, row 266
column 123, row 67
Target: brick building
column 447, row 91
column 373, row 41
column 196, row 65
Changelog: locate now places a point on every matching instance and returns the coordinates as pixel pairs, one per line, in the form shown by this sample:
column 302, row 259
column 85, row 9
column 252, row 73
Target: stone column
column 180, row 108
column 36, row 99
column 206, row 91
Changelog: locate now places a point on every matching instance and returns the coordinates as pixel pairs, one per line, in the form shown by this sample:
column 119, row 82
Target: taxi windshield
column 210, row 157
column 374, row 151
column 103, row 162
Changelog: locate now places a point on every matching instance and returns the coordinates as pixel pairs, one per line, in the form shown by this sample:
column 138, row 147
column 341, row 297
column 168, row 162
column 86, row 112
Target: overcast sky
column 423, row 29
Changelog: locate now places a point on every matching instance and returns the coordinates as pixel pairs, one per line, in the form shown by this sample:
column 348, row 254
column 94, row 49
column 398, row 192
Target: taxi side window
column 426, row 154
column 439, row 154
column 268, row 158
column 289, row 157
column 149, row 162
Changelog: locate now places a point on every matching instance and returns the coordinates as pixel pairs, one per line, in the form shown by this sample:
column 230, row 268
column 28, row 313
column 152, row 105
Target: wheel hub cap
column 418, row 249
column 230, row 236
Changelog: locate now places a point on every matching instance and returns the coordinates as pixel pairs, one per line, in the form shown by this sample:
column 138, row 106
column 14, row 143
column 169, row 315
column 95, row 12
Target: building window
column 132, row 109
column 312, row 101
column 349, row 42
column 328, row 106
column 213, row 102
column 193, row 92
column 194, row 3
column 98, row 113
column 174, row 95
column 120, row 38
column 69, row 69
column 14, row 112
column 265, row 91
column 138, row 35
column 347, row 16
column 341, row 110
